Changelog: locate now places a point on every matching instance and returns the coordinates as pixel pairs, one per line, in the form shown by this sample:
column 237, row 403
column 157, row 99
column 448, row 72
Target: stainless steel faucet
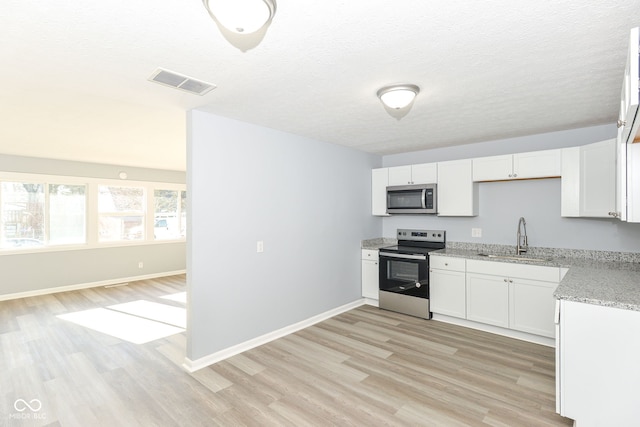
column 522, row 245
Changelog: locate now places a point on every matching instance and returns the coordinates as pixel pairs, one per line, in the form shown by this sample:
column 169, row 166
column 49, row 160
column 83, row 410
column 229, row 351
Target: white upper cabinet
column 424, row 173
column 588, row 185
column 535, row 164
column 629, row 119
column 379, row 182
column 628, row 168
column 457, row 193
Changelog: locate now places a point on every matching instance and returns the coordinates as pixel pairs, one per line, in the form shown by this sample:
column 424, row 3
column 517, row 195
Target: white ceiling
column 75, row 73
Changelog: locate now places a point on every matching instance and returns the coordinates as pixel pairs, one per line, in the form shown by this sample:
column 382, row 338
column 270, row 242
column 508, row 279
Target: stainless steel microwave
column 412, row 199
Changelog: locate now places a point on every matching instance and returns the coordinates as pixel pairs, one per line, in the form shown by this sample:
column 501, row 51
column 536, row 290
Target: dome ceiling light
column 241, row 16
column 397, row 97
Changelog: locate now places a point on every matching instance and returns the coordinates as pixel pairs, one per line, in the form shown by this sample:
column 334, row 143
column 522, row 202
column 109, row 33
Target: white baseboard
column 203, row 362
column 57, row 289
column 536, row 339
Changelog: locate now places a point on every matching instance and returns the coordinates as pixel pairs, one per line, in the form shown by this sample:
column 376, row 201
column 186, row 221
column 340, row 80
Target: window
column 22, row 214
column 38, row 212
column 67, row 214
column 120, row 213
column 169, row 214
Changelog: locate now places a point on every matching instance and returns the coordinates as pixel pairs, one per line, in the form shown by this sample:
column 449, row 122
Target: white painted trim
column 371, row 301
column 203, row 362
column 47, row 291
column 536, row 339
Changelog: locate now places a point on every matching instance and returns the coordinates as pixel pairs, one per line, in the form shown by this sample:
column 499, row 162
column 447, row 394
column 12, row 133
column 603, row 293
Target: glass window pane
column 121, row 213
column 166, row 224
column 22, row 214
column 120, row 199
column 115, row 228
column 67, row 214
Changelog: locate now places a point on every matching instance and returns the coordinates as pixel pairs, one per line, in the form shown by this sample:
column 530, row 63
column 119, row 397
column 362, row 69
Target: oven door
column 404, row 274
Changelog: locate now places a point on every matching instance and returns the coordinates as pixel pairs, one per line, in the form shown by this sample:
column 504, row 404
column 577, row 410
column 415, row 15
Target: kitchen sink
column 515, row 257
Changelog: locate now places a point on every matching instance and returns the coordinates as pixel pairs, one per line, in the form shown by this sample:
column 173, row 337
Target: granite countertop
column 379, row 242
column 610, row 279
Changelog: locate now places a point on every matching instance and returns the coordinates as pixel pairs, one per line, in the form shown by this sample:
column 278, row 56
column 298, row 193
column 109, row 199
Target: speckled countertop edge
column 610, row 279
column 378, row 242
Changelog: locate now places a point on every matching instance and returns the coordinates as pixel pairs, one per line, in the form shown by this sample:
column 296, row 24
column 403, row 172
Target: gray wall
column 309, row 201
column 31, row 272
column 503, row 203
column 45, row 270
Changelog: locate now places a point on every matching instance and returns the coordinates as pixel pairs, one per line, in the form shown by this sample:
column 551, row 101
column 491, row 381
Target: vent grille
column 182, row 82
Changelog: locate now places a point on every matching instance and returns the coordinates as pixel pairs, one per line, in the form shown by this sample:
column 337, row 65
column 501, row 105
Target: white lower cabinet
column 531, row 306
column 488, row 299
column 597, row 368
column 370, row 274
column 514, row 296
column 447, row 288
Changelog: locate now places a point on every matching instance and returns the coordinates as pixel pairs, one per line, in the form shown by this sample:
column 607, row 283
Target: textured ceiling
column 75, row 73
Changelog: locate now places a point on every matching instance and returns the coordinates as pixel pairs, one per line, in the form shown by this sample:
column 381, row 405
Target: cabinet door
column 379, row 182
column 588, row 183
column 537, row 164
column 400, row 175
column 488, row 299
column 532, row 306
column 424, row 173
column 598, row 179
column 447, row 292
column 494, row 168
column 630, row 97
column 570, row 182
column 370, row 279
column 457, row 193
column 599, row 370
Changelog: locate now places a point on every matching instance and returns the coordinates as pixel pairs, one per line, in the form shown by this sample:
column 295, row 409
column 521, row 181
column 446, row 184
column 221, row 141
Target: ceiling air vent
column 178, row 81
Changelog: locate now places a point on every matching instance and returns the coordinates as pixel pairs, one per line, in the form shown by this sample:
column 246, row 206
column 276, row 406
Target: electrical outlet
column 476, row 232
column 140, row 264
column 260, row 246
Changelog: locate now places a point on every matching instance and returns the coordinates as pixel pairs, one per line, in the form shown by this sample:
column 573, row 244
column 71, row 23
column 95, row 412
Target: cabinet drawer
column 447, row 263
column 535, row 272
column 371, row 254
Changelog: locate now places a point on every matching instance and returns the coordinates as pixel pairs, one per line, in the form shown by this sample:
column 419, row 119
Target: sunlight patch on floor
column 179, row 297
column 121, row 325
column 164, row 313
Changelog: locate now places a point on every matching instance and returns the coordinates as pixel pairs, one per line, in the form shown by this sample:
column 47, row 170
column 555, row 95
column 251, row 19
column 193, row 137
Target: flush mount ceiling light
column 241, row 16
column 397, row 97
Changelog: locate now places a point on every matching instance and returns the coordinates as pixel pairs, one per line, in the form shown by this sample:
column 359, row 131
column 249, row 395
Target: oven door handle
column 403, row 256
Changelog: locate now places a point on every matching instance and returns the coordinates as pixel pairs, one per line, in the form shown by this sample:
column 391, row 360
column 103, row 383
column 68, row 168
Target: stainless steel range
column 404, row 272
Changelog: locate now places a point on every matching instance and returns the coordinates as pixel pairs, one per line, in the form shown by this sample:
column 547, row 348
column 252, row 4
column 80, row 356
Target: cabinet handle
column 621, row 123
column 505, row 280
column 446, row 264
column 510, row 175
column 515, row 175
column 614, row 214
column 510, row 281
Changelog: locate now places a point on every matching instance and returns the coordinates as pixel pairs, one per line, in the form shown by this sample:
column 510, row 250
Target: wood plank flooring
column 366, row 367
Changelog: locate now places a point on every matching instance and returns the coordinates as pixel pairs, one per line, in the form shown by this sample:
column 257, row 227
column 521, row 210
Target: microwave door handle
column 424, row 198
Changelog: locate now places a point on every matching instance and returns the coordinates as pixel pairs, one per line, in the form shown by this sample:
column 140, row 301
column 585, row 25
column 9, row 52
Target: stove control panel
column 422, row 235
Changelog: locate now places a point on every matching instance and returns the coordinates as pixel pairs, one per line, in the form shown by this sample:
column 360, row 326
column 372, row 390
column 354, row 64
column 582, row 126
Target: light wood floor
column 366, row 367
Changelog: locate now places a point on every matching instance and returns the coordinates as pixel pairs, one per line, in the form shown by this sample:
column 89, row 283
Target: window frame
column 92, row 215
